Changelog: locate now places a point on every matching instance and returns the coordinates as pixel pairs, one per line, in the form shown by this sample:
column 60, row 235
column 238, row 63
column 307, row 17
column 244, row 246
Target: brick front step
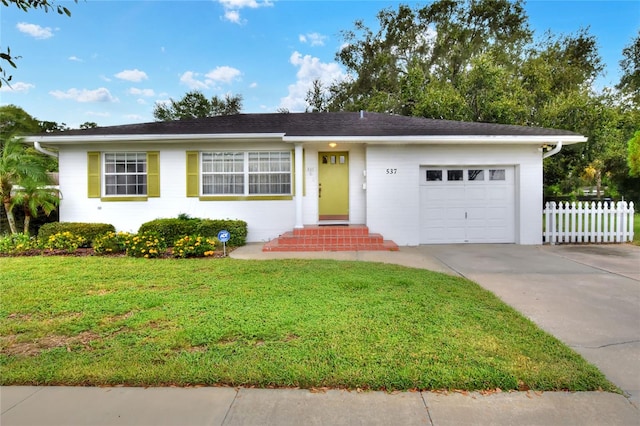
column 330, row 238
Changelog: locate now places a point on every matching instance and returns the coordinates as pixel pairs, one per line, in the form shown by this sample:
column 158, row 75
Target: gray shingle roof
column 320, row 124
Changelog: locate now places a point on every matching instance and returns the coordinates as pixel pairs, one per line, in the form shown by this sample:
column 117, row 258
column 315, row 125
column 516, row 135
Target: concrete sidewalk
column 281, row 407
column 587, row 296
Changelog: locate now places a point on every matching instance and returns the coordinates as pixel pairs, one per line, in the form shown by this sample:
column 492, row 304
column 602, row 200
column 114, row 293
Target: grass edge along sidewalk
column 279, row 323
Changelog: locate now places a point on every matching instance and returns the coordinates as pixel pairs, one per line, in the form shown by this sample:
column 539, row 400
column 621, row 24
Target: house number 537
column 392, row 171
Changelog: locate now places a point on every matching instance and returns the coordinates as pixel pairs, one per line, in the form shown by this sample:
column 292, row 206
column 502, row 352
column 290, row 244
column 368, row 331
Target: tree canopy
column 479, row 61
column 630, row 65
column 194, row 104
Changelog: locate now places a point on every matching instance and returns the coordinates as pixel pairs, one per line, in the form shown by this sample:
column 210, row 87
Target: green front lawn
column 306, row 323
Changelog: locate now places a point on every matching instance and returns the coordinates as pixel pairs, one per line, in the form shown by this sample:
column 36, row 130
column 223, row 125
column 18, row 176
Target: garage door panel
column 500, row 193
column 476, row 193
column 476, row 210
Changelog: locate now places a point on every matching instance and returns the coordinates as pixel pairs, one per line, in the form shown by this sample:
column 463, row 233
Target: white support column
column 299, row 176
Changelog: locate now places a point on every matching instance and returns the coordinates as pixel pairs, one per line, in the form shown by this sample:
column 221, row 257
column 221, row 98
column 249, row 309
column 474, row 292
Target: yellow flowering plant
column 16, row 244
column 63, row 241
column 194, row 246
column 111, row 243
column 145, row 244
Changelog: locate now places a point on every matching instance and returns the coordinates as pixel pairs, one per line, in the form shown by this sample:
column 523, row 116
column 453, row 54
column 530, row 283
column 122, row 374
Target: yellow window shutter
column 153, row 174
column 93, row 175
column 193, row 174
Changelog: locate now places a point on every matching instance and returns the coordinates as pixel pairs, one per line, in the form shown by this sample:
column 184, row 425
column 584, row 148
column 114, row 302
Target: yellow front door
column 333, row 185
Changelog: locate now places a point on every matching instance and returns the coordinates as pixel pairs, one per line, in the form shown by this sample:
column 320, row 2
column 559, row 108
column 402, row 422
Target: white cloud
column 132, row 75
column 232, row 16
column 253, row 85
column 232, row 8
column 315, row 39
column 309, row 69
column 134, row 117
column 34, row 30
column 189, row 79
column 83, row 95
column 17, row 87
column 218, row 75
column 75, row 59
column 223, row 74
column 141, row 92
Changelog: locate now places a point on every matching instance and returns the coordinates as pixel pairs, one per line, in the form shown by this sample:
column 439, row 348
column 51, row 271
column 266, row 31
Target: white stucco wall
column 265, row 219
column 392, row 194
column 389, row 205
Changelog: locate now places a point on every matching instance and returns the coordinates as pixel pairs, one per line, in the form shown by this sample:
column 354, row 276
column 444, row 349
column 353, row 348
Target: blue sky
column 111, row 61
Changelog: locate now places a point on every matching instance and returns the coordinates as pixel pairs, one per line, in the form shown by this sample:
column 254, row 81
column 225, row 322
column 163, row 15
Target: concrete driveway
column 588, row 296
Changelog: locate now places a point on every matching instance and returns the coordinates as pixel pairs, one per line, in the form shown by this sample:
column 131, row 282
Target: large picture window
column 223, row 173
column 246, row 173
column 125, row 173
column 270, row 173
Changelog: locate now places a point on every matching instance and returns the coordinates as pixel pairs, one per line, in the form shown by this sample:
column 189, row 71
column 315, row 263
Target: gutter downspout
column 39, row 148
column 556, row 149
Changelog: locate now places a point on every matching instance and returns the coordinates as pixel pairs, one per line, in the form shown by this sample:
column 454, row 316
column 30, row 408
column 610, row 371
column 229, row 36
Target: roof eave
column 371, row 140
column 438, row 140
column 161, row 138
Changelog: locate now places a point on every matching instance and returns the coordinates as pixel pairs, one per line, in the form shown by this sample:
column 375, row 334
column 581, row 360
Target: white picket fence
column 588, row 222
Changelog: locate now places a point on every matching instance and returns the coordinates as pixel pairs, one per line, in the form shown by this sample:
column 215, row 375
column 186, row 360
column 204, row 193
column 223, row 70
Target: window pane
column 475, row 174
column 434, row 175
column 269, row 173
column 125, row 173
column 454, row 175
column 222, row 173
column 497, row 174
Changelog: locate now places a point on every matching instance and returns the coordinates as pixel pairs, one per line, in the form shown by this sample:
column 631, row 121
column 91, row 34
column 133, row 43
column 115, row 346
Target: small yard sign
column 223, row 237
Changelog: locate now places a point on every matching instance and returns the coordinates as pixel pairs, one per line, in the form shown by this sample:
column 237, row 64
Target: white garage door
column 467, row 205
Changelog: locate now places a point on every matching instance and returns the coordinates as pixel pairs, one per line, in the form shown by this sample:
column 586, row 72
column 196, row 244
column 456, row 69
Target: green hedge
column 174, row 229
column 88, row 231
column 237, row 230
column 171, row 230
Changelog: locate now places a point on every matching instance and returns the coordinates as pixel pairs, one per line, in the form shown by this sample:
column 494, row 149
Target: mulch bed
column 83, row 252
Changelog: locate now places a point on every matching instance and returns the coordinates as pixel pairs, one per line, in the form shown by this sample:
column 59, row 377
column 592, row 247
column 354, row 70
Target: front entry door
column 333, row 185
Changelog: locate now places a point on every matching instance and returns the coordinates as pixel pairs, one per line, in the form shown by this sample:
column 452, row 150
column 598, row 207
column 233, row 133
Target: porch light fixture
column 333, row 144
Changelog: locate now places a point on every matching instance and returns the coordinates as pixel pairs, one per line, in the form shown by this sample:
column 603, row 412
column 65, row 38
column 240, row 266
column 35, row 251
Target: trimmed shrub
column 66, row 241
column 88, row 231
column 237, row 229
column 174, row 229
column 194, row 246
column 110, row 243
column 145, row 244
column 17, row 243
column 171, row 230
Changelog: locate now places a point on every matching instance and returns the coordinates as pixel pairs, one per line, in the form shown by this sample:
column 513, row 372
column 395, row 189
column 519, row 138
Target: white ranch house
column 414, row 180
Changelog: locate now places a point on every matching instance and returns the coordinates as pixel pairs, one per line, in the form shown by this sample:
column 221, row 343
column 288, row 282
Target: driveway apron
column 587, row 296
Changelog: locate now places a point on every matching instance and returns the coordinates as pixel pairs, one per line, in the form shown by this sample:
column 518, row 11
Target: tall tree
column 16, row 121
column 428, row 47
column 475, row 60
column 633, row 158
column 195, row 105
column 630, row 64
column 17, row 166
column 7, row 58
